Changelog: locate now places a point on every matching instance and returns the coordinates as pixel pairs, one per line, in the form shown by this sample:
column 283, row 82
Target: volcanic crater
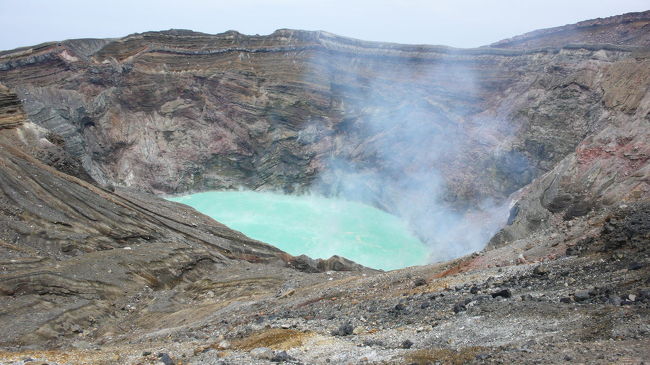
column 523, row 165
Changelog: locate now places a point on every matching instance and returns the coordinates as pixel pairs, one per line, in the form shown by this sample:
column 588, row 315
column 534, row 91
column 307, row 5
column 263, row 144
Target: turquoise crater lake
column 316, row 226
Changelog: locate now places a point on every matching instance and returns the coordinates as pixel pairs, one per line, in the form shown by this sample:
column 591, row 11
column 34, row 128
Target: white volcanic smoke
column 401, row 134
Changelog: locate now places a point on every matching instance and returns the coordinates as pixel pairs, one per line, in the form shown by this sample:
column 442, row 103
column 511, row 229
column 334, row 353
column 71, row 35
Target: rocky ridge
column 629, row 29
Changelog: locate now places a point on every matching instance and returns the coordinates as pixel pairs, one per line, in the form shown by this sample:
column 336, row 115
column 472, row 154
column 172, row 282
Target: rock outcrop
column 11, row 112
column 607, row 169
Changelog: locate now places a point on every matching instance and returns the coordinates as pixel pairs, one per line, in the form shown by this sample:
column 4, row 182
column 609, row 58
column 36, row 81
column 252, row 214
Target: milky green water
column 316, row 226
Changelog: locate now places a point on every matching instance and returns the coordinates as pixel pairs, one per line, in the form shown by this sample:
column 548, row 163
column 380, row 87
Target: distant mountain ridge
column 627, row 29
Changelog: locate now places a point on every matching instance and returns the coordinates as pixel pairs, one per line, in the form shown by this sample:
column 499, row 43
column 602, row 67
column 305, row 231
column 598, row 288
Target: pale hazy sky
column 459, row 23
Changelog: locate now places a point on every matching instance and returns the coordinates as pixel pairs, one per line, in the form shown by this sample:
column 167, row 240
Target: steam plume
column 405, row 127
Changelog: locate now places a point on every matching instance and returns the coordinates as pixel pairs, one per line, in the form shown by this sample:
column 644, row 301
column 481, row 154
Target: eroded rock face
column 607, row 169
column 10, row 109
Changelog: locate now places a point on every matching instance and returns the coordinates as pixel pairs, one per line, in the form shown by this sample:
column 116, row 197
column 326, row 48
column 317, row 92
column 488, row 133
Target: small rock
column 474, row 290
column 635, row 266
column 540, row 270
column 370, row 343
column 281, row 356
column 263, row 353
column 581, row 295
column 165, row 359
column 572, row 251
column 528, row 297
column 146, row 353
column 223, row 345
column 504, row 293
column 407, row 344
column 358, row 330
column 287, row 292
column 425, row 305
column 459, row 307
column 614, row 300
column 420, row 282
column 565, row 300
column 631, row 297
column 644, row 294
column 400, row 307
column 345, row 329
column 482, row 298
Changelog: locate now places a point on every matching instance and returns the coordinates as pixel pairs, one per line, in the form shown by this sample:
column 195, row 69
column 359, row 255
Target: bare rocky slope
column 95, row 269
